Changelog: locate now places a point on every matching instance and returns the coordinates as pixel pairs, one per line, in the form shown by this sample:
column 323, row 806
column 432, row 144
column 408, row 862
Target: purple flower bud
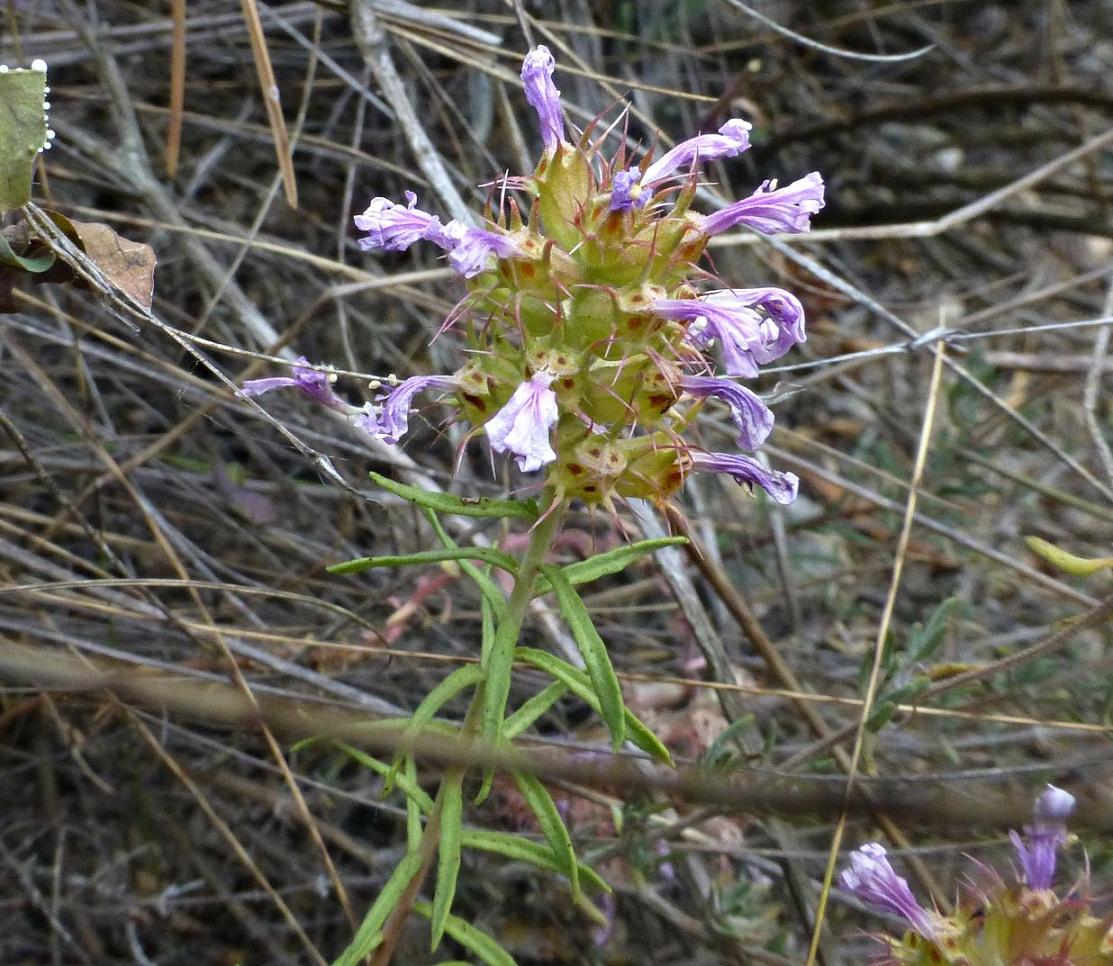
column 626, row 190
column 523, row 425
column 393, row 421
column 1036, row 851
column 781, row 487
column 394, row 228
column 772, row 210
column 748, row 337
column 314, row 383
column 872, row 879
column 469, row 248
column 752, row 417
column 542, row 95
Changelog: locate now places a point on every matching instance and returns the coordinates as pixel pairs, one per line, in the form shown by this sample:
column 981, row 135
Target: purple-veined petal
column 542, row 95
column 772, row 210
column 469, row 249
column 752, row 417
column 393, row 421
column 781, row 487
column 523, row 425
column 748, row 337
column 394, row 228
column 872, row 879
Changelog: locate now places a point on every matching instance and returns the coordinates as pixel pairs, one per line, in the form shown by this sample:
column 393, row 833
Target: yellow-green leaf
column 1059, row 558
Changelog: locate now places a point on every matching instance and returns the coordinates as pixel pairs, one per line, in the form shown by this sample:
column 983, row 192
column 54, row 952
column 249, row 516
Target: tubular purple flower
column 733, row 138
column 1037, row 850
column 782, row 487
column 542, row 95
column 393, row 421
column 752, row 417
column 523, row 425
column 394, row 228
column 772, row 210
column 631, row 187
column 313, row 382
column 731, row 316
column 469, row 248
column 872, row 879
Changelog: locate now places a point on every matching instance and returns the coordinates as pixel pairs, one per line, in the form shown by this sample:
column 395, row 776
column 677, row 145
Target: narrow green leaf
column 459, row 680
column 1060, row 558
column 487, row 554
column 578, row 683
column 925, row 641
column 406, row 781
column 611, row 562
column 474, row 940
column 487, row 587
column 22, row 133
column 414, row 828
column 369, row 934
column 532, row 709
column 594, row 651
column 487, row 619
column 448, row 856
column 552, row 826
column 446, row 503
column 523, row 850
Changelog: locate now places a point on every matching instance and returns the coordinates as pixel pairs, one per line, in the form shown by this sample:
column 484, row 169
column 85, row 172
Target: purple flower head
column 872, row 879
column 772, row 210
column 1036, row 850
column 752, row 417
column 542, row 95
column 781, row 487
column 523, row 425
column 631, row 187
column 394, row 228
column 469, row 248
column 748, row 337
column 393, row 421
column 314, row 383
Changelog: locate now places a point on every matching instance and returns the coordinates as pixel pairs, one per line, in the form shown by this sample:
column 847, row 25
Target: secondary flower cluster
column 590, row 338
column 1024, row 924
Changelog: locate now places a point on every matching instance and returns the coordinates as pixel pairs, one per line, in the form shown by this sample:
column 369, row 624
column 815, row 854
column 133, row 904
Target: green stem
column 487, row 706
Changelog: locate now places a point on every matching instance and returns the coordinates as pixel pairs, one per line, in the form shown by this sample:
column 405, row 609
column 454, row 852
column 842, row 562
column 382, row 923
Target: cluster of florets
column 998, row 924
column 587, row 323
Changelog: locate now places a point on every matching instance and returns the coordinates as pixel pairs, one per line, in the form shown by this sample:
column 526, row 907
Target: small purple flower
column 626, row 190
column 542, row 95
column 782, row 487
column 523, row 425
column 752, row 417
column 1036, row 851
column 394, row 228
column 772, row 210
column 393, row 421
column 313, row 382
column 733, row 138
column 469, row 248
column 748, row 337
column 872, row 879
